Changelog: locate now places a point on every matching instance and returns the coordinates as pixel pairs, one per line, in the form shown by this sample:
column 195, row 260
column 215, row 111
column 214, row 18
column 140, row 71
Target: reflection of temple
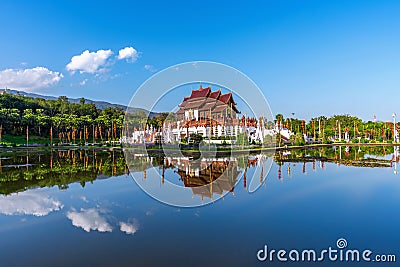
column 206, row 176
column 395, row 158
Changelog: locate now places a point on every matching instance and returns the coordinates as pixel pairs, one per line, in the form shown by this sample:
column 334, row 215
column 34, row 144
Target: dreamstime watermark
column 210, row 111
column 340, row 253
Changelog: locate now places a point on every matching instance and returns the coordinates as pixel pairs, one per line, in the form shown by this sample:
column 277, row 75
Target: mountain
column 99, row 104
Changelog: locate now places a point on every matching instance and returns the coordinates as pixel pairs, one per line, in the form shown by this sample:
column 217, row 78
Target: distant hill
column 99, row 104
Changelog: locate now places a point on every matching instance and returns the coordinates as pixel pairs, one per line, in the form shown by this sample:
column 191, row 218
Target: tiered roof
column 204, row 99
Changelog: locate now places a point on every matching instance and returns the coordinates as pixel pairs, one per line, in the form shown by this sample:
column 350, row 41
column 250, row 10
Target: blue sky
column 308, row 57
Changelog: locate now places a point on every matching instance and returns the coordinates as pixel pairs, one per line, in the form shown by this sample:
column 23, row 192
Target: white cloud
column 82, row 83
column 150, row 68
column 90, row 62
column 89, row 219
column 128, row 53
column 29, row 79
column 129, row 228
column 28, row 203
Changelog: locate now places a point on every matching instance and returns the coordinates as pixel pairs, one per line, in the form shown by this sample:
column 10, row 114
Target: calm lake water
column 83, row 208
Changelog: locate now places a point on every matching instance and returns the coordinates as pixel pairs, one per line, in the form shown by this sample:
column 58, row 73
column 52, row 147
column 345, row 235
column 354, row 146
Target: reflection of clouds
column 149, row 213
column 28, row 203
column 101, row 219
column 84, row 199
column 89, row 219
column 129, row 228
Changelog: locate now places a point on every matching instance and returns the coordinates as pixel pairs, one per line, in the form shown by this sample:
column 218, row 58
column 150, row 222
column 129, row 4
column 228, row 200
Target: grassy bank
column 34, row 141
column 8, row 140
column 19, row 140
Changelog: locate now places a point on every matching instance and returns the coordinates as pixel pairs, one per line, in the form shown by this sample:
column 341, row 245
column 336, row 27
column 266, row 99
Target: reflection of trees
column 358, row 156
column 140, row 162
column 57, row 168
column 20, row 171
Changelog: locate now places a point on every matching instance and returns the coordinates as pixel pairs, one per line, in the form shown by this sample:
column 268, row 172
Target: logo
column 334, row 254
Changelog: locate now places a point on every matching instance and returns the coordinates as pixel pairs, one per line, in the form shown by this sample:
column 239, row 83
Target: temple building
column 211, row 114
column 208, row 113
column 203, row 104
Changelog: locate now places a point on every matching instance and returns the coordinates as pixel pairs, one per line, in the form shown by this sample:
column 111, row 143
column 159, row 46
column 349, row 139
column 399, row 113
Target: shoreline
column 194, row 151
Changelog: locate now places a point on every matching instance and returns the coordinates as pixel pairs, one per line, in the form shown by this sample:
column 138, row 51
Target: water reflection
column 129, row 228
column 108, row 221
column 395, row 158
column 35, row 203
column 89, row 219
column 206, row 176
column 362, row 156
column 20, row 171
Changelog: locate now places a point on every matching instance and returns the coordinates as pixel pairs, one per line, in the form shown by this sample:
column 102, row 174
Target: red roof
column 202, row 92
column 205, row 99
column 225, row 98
column 215, row 94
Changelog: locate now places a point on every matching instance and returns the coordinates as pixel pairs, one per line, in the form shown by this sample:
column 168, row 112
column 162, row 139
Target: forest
column 61, row 121
column 58, row 119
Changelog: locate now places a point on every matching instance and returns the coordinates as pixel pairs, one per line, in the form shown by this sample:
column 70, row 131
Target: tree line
column 63, row 121
column 58, row 119
column 325, row 128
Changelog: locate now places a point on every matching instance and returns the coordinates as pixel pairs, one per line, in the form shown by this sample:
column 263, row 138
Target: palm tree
column 42, row 119
column 28, row 120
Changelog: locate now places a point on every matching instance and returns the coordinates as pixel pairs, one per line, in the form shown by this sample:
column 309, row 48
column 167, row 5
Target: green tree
column 42, row 119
